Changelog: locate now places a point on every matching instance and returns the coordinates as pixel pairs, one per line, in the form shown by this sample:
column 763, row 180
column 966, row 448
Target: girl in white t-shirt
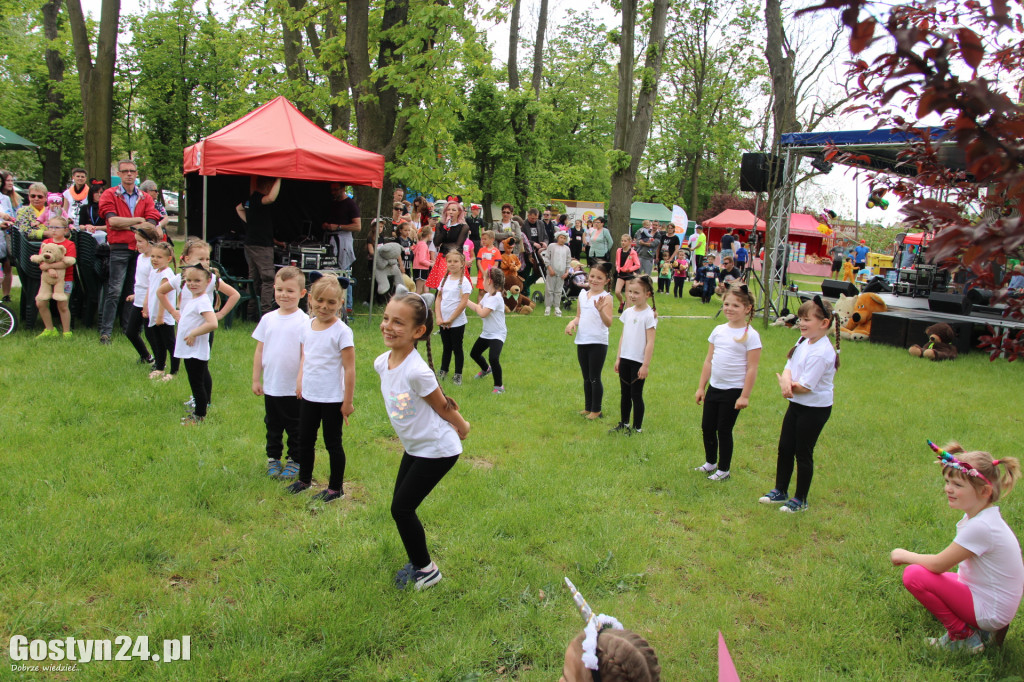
column 325, row 386
column 593, row 318
column 636, row 345
column 160, row 332
column 807, row 383
column 450, row 312
column 976, row 603
column 145, row 238
column 726, row 380
column 196, row 322
column 492, row 309
column 426, row 421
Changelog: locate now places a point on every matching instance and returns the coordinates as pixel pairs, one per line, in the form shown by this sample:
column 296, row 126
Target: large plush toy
column 389, row 271
column 844, row 308
column 515, row 302
column 510, row 265
column 52, row 255
column 859, row 326
column 940, row 343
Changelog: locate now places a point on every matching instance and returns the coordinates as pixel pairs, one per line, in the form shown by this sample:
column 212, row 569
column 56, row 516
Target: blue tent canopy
column 881, row 147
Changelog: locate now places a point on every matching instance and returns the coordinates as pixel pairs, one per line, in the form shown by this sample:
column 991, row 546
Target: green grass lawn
column 116, row 521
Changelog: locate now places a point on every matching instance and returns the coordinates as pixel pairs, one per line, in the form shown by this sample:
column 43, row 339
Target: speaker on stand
column 833, row 287
column 757, row 172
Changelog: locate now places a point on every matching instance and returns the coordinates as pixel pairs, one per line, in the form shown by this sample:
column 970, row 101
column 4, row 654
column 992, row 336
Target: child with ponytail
column 636, row 346
column 160, row 331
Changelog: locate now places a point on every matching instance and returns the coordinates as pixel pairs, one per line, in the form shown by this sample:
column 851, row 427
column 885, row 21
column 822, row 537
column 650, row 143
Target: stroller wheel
column 538, row 297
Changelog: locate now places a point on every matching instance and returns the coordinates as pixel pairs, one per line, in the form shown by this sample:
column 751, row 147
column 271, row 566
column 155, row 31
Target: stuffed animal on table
column 510, row 266
column 389, row 271
column 844, row 308
column 52, row 264
column 848, row 272
column 859, row 326
column 515, row 302
column 940, row 344
column 787, row 320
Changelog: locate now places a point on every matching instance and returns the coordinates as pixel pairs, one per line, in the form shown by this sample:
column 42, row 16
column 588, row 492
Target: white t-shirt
column 323, row 376
column 191, row 317
column 451, row 295
column 75, row 207
column 156, row 278
column 729, row 361
column 996, row 574
column 280, row 335
column 813, row 366
column 494, row 324
column 143, row 269
column 186, row 295
column 634, row 332
column 591, row 328
column 5, row 205
column 422, row 430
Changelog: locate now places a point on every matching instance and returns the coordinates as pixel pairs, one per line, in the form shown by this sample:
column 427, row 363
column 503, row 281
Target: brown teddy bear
column 510, row 265
column 940, row 343
column 515, row 302
column 52, row 264
column 859, row 326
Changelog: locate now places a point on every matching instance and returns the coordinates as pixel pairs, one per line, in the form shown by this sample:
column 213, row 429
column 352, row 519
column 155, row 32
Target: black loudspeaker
column 952, row 304
column 878, row 285
column 833, row 287
column 889, row 328
column 979, row 296
column 757, row 171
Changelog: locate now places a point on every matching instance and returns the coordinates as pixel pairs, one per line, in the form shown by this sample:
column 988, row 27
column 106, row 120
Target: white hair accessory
column 594, row 626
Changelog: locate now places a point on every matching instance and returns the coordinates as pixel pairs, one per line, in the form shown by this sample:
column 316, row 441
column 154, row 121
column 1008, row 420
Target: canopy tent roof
column 641, row 211
column 12, row 140
column 876, row 149
column 277, row 140
column 734, row 218
column 800, row 225
column 917, row 238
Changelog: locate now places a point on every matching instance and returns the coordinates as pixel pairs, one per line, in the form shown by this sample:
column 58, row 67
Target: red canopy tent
column 804, row 228
column 740, row 221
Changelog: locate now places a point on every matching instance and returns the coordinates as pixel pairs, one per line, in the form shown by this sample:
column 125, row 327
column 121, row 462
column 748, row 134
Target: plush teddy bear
column 389, row 270
column 510, row 265
column 515, row 302
column 844, row 308
column 859, row 326
column 52, row 264
column 940, row 343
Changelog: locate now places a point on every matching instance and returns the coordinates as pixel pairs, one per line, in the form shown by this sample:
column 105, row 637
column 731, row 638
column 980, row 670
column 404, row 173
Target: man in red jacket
column 123, row 207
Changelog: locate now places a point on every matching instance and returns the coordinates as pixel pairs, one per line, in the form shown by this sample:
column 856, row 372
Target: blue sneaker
column 274, row 468
column 971, row 645
column 291, row 470
column 774, row 497
column 793, row 506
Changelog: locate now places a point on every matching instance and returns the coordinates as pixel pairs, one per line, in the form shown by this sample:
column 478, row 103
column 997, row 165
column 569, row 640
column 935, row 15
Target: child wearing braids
column 731, row 368
column 977, row 603
column 636, row 346
column 807, row 383
column 426, row 421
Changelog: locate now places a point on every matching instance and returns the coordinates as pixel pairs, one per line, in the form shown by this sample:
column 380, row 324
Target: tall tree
column 96, row 81
column 633, row 120
column 54, row 96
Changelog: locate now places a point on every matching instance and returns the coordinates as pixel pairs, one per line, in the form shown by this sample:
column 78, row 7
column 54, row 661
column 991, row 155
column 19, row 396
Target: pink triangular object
column 726, row 670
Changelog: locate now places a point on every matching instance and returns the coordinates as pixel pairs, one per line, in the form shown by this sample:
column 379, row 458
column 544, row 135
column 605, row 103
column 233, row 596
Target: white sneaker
column 719, row 476
column 707, row 468
column 547, row 311
column 558, row 312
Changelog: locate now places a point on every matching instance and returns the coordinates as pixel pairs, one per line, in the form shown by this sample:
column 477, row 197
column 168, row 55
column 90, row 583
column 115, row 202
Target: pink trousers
column 944, row 596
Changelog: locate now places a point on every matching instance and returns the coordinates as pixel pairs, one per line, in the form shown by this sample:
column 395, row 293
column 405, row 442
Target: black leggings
column 591, row 357
column 201, row 383
column 720, row 415
column 494, row 347
column 161, row 340
column 417, row 476
column 311, row 415
column 451, row 342
column 677, row 290
column 632, row 392
column 133, row 330
column 281, row 415
column 800, row 430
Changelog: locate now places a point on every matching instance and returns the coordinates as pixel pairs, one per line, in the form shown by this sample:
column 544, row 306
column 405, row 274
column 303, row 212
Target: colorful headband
column 948, row 460
column 594, row 626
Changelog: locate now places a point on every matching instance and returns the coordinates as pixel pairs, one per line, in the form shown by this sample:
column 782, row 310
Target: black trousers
column 417, row 476
column 311, row 416
column 591, row 358
column 281, row 414
column 451, row 343
column 719, row 417
column 493, row 347
column 800, row 430
column 632, row 393
column 201, row 383
column 679, row 284
column 133, row 330
column 663, row 285
column 161, row 340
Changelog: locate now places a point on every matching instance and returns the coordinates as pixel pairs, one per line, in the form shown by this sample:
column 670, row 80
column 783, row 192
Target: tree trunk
column 337, row 81
column 513, row 47
column 781, row 65
column 96, row 82
column 631, row 129
column 538, row 64
column 694, row 183
column 54, row 100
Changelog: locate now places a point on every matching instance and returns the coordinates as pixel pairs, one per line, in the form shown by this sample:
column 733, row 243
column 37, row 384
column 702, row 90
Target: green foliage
column 618, row 160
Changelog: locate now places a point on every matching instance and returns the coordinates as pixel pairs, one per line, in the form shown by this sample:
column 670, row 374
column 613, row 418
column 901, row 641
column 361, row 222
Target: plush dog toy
column 388, row 272
column 844, row 308
column 940, row 344
column 859, row 326
column 510, row 266
column 52, row 264
column 515, row 302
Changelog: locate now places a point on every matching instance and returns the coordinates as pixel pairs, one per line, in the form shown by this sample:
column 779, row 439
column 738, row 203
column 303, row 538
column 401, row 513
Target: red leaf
column 860, row 36
column 970, row 47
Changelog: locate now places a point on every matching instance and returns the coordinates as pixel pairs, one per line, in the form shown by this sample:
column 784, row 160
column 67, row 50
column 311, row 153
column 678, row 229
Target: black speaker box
column 890, row 329
column 916, row 327
column 878, row 285
column 953, row 304
column 833, row 287
column 757, row 171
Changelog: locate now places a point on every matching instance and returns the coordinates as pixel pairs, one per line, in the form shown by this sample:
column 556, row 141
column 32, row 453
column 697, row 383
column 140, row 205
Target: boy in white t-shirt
column 275, row 370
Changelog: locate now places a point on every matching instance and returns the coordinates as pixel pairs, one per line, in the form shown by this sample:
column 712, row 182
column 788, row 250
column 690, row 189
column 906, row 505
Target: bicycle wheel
column 8, row 321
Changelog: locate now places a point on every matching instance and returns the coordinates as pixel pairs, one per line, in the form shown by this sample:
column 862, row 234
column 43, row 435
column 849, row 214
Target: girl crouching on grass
column 426, row 421
column 196, row 323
